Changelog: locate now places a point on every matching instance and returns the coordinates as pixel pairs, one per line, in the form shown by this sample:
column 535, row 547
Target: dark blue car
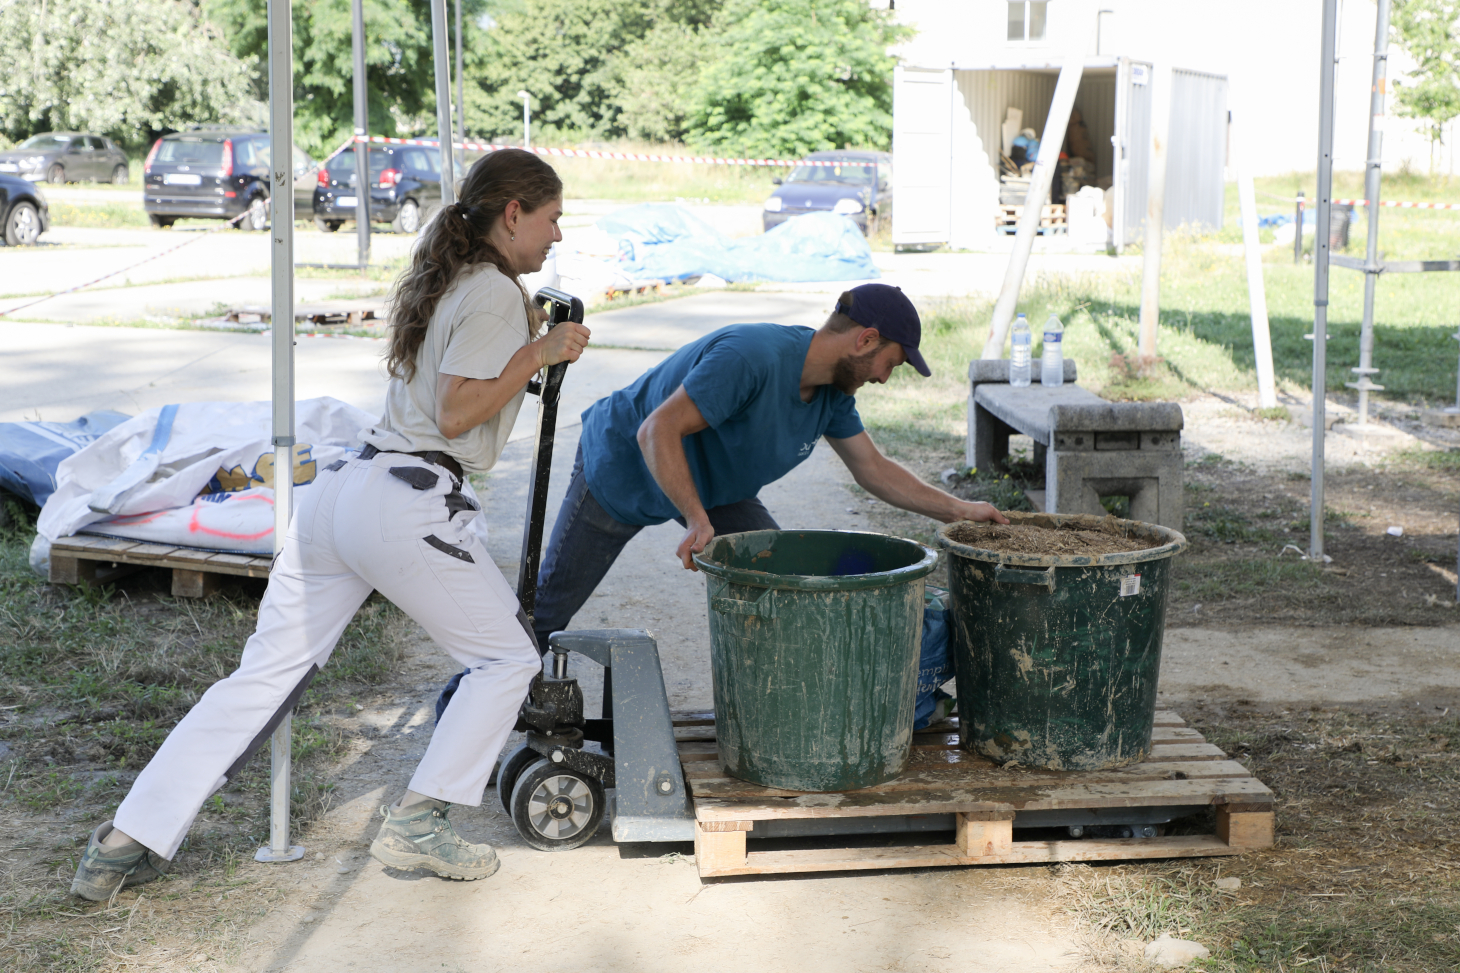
column 857, row 185
column 23, row 211
column 405, row 187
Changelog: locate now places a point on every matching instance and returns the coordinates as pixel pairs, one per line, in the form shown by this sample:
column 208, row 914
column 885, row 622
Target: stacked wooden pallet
column 982, row 801
column 195, row 573
column 1051, row 218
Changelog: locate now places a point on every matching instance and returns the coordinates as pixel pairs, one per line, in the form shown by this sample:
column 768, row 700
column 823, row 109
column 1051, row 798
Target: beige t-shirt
column 478, row 325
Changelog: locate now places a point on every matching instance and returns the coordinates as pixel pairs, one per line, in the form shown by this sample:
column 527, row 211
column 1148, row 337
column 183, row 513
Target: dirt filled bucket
column 1056, row 636
column 814, row 642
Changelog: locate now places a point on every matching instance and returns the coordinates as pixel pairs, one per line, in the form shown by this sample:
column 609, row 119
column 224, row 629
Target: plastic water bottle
column 1019, row 353
column 1052, row 375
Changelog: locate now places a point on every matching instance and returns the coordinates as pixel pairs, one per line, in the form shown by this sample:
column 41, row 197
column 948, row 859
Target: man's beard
column 851, row 372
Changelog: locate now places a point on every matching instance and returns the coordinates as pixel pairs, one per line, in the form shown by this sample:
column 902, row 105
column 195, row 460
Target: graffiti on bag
column 262, row 474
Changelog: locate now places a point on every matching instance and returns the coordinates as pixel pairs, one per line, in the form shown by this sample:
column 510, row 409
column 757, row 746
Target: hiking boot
column 419, row 836
column 105, row 871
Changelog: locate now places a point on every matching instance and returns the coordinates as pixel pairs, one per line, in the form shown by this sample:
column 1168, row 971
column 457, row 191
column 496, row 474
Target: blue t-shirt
column 746, row 381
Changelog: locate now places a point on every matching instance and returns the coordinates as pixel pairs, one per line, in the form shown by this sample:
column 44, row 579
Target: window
column 848, row 171
column 190, row 152
column 424, row 160
column 1027, row 19
column 94, row 144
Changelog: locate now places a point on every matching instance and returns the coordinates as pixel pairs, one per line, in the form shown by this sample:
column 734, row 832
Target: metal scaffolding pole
column 443, row 101
column 460, row 83
column 1328, row 64
column 281, row 232
column 362, row 130
column 1372, row 171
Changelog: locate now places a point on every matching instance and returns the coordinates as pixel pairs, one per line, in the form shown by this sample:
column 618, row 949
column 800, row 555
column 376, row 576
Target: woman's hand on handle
column 562, row 343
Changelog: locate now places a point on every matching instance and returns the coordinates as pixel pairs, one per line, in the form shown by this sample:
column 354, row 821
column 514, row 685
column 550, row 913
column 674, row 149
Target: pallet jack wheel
column 555, row 808
column 510, row 769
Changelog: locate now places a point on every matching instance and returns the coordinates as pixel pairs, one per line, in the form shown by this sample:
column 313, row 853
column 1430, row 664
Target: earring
column 514, row 238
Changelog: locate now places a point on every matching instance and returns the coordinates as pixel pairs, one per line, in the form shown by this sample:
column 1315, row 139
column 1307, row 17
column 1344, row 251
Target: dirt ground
column 1337, row 684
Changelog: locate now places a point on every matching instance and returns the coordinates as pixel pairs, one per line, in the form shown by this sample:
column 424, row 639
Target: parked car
column 405, row 187
column 216, row 173
column 859, row 186
column 66, row 157
column 24, row 209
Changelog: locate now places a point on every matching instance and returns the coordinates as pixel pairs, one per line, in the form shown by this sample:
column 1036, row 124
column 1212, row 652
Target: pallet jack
column 552, row 785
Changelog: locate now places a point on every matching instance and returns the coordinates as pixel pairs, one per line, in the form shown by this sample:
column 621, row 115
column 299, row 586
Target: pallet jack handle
column 561, row 307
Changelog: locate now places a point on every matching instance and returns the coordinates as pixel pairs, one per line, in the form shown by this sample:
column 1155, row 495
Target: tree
column 787, row 77
column 1429, row 32
column 598, row 68
column 561, row 53
column 399, row 70
column 129, row 70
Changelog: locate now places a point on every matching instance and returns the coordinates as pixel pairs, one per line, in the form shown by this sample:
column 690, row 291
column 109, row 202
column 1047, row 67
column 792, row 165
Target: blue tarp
column 31, row 451
column 661, row 241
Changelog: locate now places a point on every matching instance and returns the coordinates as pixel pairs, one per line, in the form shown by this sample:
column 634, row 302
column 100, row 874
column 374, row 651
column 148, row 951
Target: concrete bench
column 1089, row 447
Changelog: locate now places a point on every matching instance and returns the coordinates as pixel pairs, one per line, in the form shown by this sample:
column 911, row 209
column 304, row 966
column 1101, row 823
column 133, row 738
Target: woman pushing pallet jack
column 464, row 346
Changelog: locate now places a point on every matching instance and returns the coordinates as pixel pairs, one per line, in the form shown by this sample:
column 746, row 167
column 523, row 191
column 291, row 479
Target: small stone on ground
column 1171, row 954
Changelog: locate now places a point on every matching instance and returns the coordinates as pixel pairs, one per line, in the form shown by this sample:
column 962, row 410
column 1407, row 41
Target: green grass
column 107, row 216
column 95, row 678
column 655, row 181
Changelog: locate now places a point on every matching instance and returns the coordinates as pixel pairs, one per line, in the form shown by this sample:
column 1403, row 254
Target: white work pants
column 358, row 528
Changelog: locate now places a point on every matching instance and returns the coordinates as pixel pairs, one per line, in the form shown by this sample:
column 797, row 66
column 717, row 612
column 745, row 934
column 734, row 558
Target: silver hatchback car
column 66, row 157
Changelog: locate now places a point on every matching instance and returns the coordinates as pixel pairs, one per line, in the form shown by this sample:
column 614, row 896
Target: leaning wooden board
column 943, row 779
column 195, row 573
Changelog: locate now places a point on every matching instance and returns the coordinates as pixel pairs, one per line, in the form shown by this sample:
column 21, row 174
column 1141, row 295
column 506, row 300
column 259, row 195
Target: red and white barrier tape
column 614, row 156
column 1396, row 204
column 1309, row 201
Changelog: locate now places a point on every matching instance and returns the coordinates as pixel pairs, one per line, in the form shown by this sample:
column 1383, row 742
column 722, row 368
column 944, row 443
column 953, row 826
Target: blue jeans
column 586, row 541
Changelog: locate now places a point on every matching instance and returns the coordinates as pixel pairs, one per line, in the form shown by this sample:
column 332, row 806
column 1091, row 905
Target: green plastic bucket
column 1057, row 657
column 814, row 643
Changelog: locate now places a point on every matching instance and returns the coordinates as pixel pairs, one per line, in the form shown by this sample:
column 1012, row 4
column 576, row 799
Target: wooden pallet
column 195, row 573
column 1051, row 217
column 941, row 778
column 362, row 312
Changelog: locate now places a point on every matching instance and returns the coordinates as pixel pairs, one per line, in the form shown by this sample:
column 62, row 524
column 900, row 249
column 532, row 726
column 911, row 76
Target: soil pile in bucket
column 1107, row 536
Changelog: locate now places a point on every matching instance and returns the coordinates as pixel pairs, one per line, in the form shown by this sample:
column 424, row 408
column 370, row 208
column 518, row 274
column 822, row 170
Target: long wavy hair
column 457, row 239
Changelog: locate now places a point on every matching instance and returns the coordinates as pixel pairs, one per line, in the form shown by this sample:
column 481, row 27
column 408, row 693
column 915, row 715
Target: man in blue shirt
column 696, row 437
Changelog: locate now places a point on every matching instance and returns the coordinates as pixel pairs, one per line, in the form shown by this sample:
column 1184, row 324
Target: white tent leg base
column 280, row 784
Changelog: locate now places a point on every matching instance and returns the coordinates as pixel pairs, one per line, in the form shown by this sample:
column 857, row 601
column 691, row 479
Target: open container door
column 1197, row 158
column 1132, row 144
column 922, row 162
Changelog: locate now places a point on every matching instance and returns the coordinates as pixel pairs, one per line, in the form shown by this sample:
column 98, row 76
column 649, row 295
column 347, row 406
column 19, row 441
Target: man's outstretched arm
column 894, row 483
column 661, row 439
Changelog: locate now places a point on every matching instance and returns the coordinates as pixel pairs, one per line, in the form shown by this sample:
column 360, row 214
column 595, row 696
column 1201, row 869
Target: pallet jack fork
column 552, row 785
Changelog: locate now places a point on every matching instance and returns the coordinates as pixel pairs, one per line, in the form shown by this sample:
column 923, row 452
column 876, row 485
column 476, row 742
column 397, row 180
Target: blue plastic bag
column 662, row 241
column 936, row 664
column 31, row 451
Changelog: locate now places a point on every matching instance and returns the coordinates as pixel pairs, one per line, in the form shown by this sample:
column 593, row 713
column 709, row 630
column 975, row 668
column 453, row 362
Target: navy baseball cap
column 887, row 309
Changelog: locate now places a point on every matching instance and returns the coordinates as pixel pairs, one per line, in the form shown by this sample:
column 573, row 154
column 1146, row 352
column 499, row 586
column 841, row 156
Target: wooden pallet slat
column 196, row 573
column 983, row 800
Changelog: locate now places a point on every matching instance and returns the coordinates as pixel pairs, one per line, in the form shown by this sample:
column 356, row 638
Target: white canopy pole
column 1161, row 82
column 1328, row 65
column 362, row 130
column 443, row 101
column 281, row 232
column 1055, row 125
column 1256, row 291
